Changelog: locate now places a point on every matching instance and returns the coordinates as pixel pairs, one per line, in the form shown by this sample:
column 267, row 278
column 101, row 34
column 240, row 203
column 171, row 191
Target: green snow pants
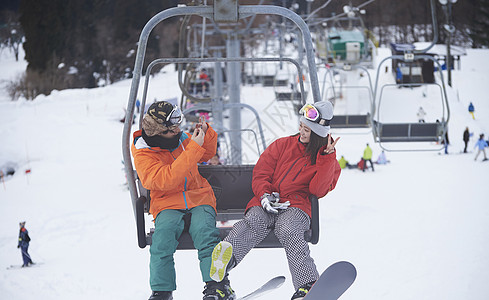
column 169, row 225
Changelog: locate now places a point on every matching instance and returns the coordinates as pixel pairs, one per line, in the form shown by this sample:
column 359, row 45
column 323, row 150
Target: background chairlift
column 294, row 90
column 218, row 176
column 334, row 92
column 346, row 39
column 385, row 132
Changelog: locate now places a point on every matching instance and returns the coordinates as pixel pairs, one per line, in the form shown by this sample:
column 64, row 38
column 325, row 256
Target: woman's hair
column 316, row 142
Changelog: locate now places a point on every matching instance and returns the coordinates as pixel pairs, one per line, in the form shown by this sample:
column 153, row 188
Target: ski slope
column 416, row 228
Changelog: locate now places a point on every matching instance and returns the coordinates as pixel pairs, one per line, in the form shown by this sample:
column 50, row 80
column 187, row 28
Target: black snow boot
column 161, row 296
column 219, row 290
column 302, row 291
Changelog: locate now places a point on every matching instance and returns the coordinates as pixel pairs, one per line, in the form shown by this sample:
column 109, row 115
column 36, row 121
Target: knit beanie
column 326, row 110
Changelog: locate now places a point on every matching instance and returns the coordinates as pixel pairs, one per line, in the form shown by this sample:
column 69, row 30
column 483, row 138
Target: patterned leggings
column 289, row 227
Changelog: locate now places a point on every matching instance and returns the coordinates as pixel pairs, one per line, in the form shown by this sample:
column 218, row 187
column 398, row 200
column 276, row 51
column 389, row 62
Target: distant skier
column 344, row 163
column 138, row 106
column 446, row 142
column 421, row 114
column 398, row 76
column 382, row 159
column 466, row 138
column 23, row 244
column 472, row 110
column 204, row 80
column 367, row 157
column 481, row 144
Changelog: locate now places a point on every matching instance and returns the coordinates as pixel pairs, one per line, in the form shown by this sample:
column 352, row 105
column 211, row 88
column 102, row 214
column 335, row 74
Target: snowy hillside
column 416, row 228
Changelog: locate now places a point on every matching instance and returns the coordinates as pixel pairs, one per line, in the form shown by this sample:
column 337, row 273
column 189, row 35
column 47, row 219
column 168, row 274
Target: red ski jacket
column 285, row 167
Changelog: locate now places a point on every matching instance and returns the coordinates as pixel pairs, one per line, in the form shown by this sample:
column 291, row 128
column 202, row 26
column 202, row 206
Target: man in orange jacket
column 166, row 162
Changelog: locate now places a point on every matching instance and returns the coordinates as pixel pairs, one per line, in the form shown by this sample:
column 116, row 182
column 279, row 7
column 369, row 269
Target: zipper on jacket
column 299, row 172
column 184, row 185
column 287, row 173
column 185, row 196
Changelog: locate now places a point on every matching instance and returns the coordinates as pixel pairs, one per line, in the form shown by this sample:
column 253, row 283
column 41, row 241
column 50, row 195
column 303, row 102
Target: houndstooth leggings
column 290, row 225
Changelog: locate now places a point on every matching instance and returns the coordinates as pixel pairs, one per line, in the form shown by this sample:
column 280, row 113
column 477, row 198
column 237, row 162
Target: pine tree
column 479, row 28
column 44, row 26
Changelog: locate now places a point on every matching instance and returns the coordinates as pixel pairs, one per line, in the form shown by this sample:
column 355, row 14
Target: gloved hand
column 283, row 205
column 276, row 197
column 18, row 246
column 266, row 202
column 271, row 202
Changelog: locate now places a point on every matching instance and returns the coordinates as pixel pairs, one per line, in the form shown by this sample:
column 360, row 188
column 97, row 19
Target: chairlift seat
column 289, row 96
column 350, row 121
column 268, row 80
column 409, row 132
column 232, row 187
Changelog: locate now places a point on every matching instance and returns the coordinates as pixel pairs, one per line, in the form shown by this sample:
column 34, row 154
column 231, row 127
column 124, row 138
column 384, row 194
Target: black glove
column 18, row 246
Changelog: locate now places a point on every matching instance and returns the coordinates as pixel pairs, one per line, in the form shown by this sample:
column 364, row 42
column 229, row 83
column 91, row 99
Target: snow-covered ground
column 416, row 228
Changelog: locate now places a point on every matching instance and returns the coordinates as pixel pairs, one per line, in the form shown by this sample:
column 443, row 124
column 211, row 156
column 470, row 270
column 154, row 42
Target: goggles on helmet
column 311, row 113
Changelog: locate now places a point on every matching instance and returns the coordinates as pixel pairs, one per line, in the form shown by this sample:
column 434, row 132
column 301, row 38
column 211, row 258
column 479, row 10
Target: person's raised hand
column 202, row 124
column 330, row 145
column 198, row 136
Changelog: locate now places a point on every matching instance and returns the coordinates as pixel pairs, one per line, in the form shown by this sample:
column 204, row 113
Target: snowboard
column 333, row 282
column 272, row 284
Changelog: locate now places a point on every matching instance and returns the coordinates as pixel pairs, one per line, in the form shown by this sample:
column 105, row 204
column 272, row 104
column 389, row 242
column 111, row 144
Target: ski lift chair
column 348, row 120
column 232, row 184
column 285, row 80
column 388, row 132
column 290, row 93
column 232, row 187
column 406, row 131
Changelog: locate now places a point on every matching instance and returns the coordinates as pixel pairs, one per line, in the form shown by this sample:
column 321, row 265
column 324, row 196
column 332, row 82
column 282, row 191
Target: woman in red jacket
column 288, row 171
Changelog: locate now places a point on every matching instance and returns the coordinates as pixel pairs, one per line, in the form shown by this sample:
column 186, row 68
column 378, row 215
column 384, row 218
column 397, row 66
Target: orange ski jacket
column 172, row 176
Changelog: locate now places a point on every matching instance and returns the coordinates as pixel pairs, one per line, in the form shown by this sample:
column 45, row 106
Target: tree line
column 79, row 43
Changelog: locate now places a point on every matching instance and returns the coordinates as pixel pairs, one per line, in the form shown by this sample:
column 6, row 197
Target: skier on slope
column 287, row 172
column 481, row 145
column 472, row 110
column 466, row 138
column 367, row 157
column 23, row 245
column 421, row 114
column 166, row 162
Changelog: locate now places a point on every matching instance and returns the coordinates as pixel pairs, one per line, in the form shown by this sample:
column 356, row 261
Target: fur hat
column 151, row 127
column 326, row 110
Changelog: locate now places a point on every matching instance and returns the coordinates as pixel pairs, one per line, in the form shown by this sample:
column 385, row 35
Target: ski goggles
column 174, row 118
column 311, row 113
